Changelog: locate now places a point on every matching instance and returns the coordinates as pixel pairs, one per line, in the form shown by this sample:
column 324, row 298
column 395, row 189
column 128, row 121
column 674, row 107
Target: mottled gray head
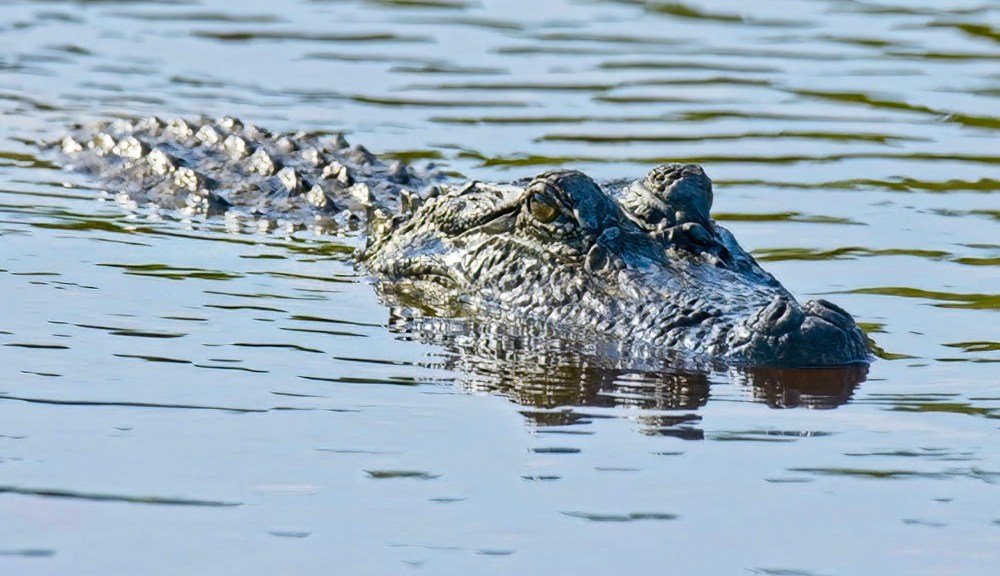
column 642, row 264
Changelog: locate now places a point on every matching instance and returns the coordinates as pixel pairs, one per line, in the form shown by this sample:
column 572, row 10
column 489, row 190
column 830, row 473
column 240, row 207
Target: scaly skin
column 213, row 167
column 645, row 264
column 642, row 264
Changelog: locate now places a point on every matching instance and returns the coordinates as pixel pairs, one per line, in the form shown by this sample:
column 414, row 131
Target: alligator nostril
column 831, row 313
column 780, row 316
column 778, row 309
column 832, row 307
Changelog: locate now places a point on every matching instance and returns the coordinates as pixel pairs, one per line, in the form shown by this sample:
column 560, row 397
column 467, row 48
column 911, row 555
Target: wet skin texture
column 642, row 263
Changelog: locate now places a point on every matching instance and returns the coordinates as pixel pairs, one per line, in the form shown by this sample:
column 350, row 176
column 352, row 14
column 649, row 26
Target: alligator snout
column 786, row 333
column 779, row 317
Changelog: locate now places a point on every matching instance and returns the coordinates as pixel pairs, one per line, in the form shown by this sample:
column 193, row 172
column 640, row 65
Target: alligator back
column 223, row 166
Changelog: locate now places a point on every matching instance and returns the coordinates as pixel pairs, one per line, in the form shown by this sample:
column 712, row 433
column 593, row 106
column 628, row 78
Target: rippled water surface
column 179, row 399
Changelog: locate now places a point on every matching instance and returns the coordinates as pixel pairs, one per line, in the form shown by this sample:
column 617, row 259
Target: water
column 180, row 399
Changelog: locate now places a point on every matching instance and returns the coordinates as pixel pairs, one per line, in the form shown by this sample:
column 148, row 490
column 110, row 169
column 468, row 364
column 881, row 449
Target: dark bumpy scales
column 641, row 263
column 217, row 166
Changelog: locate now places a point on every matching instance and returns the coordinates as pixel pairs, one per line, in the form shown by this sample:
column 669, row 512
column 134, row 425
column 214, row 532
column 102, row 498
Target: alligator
column 635, row 264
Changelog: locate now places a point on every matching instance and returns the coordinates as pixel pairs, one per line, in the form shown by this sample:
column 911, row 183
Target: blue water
column 179, row 398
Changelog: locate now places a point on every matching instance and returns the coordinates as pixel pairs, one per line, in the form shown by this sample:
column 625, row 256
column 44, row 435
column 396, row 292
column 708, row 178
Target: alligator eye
column 541, row 210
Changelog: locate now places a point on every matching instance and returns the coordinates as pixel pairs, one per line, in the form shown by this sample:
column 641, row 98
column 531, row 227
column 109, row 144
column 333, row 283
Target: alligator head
column 644, row 264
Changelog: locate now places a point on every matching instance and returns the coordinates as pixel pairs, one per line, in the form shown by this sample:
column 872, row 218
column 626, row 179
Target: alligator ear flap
column 597, row 259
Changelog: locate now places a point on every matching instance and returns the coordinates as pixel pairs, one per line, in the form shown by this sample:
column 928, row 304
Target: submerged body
column 641, row 263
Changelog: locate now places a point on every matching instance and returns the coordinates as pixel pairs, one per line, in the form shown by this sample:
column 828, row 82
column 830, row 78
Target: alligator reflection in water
column 802, row 387
column 563, row 381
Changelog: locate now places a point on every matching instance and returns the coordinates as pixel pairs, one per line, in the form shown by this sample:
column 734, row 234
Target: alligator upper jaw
column 784, row 333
